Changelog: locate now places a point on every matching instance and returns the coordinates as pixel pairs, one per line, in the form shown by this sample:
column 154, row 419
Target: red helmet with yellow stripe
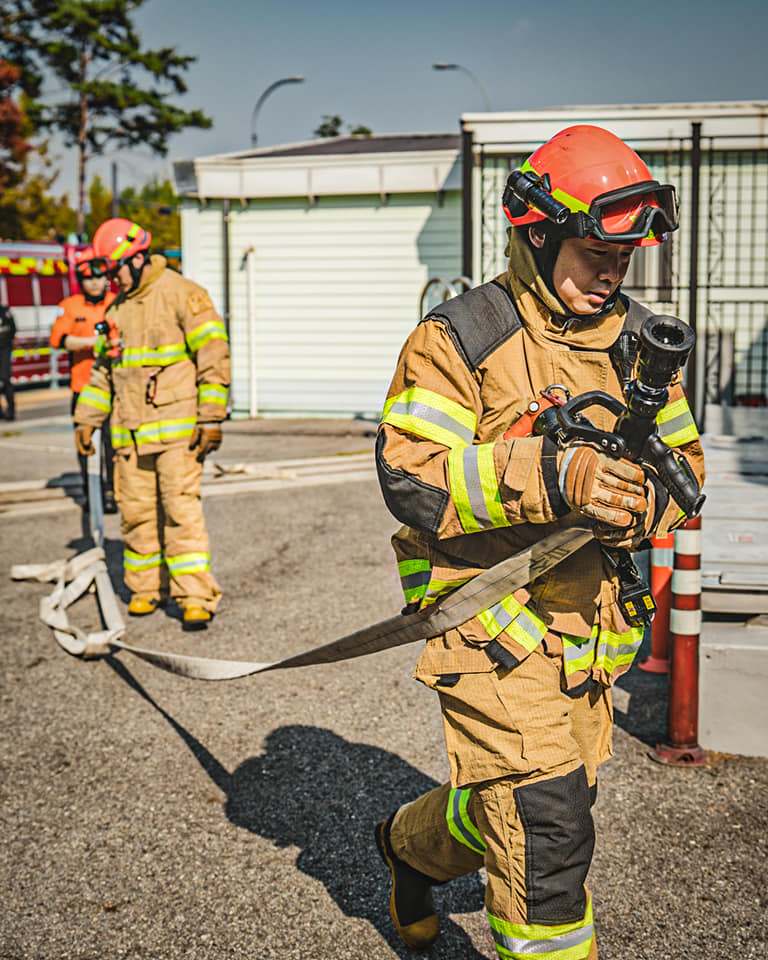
column 120, row 239
column 592, row 184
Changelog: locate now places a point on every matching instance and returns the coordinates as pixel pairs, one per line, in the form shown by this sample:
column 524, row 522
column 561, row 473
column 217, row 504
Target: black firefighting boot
column 410, row 901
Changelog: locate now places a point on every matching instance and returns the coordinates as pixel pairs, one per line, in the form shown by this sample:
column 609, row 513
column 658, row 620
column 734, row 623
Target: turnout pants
column 166, row 543
column 532, row 829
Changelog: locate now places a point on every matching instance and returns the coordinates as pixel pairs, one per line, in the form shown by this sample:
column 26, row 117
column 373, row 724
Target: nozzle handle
column 676, row 475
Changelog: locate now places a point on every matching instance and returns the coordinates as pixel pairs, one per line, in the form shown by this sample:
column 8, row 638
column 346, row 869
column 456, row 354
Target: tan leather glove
column 610, row 491
column 83, row 435
column 632, row 536
column 207, row 437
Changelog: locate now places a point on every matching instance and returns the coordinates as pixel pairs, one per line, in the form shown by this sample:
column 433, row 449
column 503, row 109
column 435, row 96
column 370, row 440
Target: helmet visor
column 635, row 213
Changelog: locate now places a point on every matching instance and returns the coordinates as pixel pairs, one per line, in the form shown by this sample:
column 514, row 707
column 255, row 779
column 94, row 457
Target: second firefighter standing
column 166, row 389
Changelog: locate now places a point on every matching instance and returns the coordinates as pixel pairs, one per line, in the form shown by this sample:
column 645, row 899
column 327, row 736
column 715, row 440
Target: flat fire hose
column 74, row 576
column 95, row 491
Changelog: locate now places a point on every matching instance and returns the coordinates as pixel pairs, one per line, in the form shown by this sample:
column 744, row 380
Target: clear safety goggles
column 633, row 213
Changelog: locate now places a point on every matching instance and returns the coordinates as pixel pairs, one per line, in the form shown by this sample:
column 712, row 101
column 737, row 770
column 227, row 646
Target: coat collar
column 544, row 315
column 151, row 274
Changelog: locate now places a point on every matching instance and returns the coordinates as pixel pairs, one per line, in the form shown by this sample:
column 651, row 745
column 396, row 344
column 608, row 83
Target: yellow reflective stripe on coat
column 431, row 416
column 414, row 577
column 533, row 941
column 95, row 397
column 141, row 561
column 475, row 488
column 511, row 617
column 676, row 425
column 579, row 652
column 210, row 330
column 212, row 393
column 162, row 356
column 159, row 431
column 188, row 563
column 459, row 822
column 437, row 588
column 617, row 649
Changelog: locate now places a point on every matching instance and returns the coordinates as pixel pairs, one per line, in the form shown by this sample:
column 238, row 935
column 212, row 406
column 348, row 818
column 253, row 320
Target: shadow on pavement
column 317, row 791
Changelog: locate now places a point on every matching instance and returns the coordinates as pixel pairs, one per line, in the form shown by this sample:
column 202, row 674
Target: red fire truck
column 34, row 277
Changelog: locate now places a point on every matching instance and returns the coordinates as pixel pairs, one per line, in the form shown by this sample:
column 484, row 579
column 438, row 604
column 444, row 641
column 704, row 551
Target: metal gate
column 713, row 272
column 734, row 274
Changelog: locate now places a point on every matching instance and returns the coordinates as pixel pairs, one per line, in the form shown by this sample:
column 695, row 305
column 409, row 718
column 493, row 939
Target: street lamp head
column 457, row 66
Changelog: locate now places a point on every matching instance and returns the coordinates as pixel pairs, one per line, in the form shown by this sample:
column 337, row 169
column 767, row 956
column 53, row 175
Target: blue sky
column 371, row 63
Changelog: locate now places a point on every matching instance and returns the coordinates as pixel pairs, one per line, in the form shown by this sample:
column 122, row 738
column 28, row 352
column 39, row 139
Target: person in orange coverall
column 75, row 330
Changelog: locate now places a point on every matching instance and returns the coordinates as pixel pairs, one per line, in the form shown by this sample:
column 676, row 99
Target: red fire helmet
column 117, row 239
column 593, row 184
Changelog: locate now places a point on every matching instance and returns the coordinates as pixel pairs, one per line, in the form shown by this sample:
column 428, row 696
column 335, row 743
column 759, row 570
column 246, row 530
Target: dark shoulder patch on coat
column 479, row 321
column 636, row 314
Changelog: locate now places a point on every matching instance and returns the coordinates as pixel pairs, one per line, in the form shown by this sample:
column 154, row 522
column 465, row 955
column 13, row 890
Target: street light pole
column 263, row 97
column 472, row 77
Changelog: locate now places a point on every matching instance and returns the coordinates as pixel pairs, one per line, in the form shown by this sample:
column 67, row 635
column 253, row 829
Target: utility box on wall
column 329, row 245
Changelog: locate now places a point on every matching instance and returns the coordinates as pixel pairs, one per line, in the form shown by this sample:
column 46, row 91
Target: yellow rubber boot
column 196, row 617
column 141, row 605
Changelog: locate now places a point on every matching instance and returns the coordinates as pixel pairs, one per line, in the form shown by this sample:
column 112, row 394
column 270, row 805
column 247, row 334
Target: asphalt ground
column 148, row 816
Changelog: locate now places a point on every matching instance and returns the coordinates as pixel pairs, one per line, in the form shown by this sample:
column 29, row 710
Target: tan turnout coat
column 174, row 368
column 469, row 498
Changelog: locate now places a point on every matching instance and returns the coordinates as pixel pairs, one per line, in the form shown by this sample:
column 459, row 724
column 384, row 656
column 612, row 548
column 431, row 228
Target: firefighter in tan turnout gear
column 166, row 391
column 524, row 687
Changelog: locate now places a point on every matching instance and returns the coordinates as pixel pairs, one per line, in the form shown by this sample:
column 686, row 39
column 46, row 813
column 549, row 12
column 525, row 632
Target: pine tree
column 91, row 48
column 14, row 127
column 27, row 210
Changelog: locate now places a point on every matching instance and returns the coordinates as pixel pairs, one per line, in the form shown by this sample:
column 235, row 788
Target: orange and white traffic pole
column 662, row 557
column 682, row 746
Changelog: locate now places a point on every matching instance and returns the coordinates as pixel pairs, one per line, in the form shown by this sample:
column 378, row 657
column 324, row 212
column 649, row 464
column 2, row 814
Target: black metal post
column 693, row 282
column 225, row 252
column 467, row 162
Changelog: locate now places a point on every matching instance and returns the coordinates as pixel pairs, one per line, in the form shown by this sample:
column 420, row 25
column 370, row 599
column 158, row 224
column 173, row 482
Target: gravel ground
column 147, row 816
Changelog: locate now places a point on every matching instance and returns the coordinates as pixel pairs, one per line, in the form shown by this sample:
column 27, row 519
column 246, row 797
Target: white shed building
column 327, row 246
